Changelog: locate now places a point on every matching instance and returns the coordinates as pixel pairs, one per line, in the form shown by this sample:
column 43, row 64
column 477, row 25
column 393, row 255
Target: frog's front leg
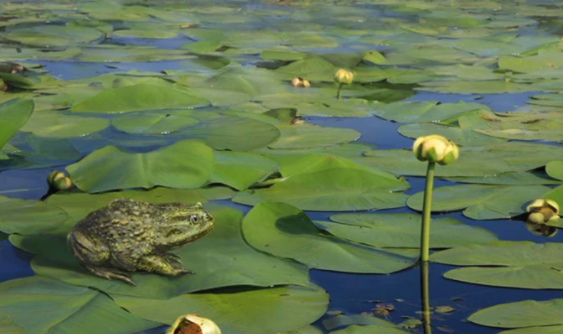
column 93, row 255
column 161, row 265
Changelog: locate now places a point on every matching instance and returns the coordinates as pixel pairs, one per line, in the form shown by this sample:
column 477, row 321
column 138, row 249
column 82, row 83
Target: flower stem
column 427, row 208
column 339, row 92
column 425, row 297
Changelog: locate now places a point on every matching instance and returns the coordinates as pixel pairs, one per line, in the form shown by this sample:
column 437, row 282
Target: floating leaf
column 481, row 201
column 279, row 309
column 402, row 230
column 542, row 317
column 426, row 111
column 13, row 115
column 304, row 136
column 52, row 35
column 29, row 217
column 139, row 97
column 54, row 125
column 59, row 307
column 555, row 169
column 335, row 189
column 220, row 259
column 185, row 164
column 241, row 170
column 285, row 231
column 516, row 264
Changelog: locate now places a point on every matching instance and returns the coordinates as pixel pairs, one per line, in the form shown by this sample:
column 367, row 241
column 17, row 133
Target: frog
column 128, row 236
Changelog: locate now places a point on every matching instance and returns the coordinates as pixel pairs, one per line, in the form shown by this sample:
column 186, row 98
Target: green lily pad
column 510, row 178
column 360, row 320
column 481, row 201
column 52, row 35
column 139, row 97
column 355, row 329
column 285, row 231
column 240, row 170
column 529, row 316
column 59, row 307
column 402, row 230
column 426, row 111
column 185, row 164
column 555, row 169
column 13, row 115
column 311, row 68
column 220, row 259
column 304, row 136
column 29, row 217
column 278, row 309
column 459, row 135
column 55, row 125
column 515, row 264
column 476, row 87
column 473, row 161
column 119, row 53
column 154, row 123
column 335, row 189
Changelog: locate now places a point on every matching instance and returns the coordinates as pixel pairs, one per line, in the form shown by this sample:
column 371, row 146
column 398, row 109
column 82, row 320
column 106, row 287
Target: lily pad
column 515, row 264
column 29, row 217
column 481, row 201
column 59, row 307
column 220, row 259
column 185, row 164
column 279, row 309
column 285, row 231
column 402, row 230
column 52, row 35
column 55, row 125
column 13, row 115
column 459, row 135
column 531, row 316
column 304, row 136
column 139, row 97
column 335, row 189
column 555, row 169
column 426, row 111
column 154, row 123
column 240, row 170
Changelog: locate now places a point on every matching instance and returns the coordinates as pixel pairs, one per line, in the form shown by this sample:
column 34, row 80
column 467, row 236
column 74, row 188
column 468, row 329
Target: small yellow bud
column 435, row 148
column 193, row 323
column 542, row 211
column 59, row 181
column 306, row 83
column 296, row 82
column 344, row 77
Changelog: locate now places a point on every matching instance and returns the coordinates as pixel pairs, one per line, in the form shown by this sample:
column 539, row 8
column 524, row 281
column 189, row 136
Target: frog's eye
column 193, row 219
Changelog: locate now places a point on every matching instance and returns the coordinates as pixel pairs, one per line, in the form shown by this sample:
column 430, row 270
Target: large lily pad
column 304, row 136
column 29, row 217
column 220, row 259
column 185, row 164
column 335, row 189
column 139, row 97
column 54, row 125
column 13, row 115
column 531, row 316
column 516, row 264
column 481, row 201
column 240, row 170
column 52, row 35
column 285, row 231
column 473, row 161
column 265, row 311
column 402, row 230
column 426, row 111
column 59, row 307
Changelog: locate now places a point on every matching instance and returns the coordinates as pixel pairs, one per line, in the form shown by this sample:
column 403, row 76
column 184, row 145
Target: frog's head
column 184, row 224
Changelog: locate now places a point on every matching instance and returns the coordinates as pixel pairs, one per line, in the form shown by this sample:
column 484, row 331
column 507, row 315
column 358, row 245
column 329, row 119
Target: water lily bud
column 542, row 211
column 451, row 154
column 343, row 77
column 306, row 83
column 435, row 148
column 194, row 324
column 59, row 181
column 296, row 82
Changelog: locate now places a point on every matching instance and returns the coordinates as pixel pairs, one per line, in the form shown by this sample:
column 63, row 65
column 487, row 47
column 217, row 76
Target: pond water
column 241, row 56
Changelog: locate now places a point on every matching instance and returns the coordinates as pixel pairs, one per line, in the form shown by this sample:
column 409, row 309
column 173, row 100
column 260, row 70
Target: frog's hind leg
column 161, row 265
column 92, row 255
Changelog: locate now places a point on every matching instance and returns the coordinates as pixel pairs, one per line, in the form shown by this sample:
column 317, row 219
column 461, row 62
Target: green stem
column 427, row 208
column 339, row 92
column 425, row 297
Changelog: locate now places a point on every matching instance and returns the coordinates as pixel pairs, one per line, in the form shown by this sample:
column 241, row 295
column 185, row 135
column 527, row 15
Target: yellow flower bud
column 435, row 148
column 59, row 181
column 306, row 83
column 296, row 82
column 542, row 211
column 344, row 77
column 193, row 323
